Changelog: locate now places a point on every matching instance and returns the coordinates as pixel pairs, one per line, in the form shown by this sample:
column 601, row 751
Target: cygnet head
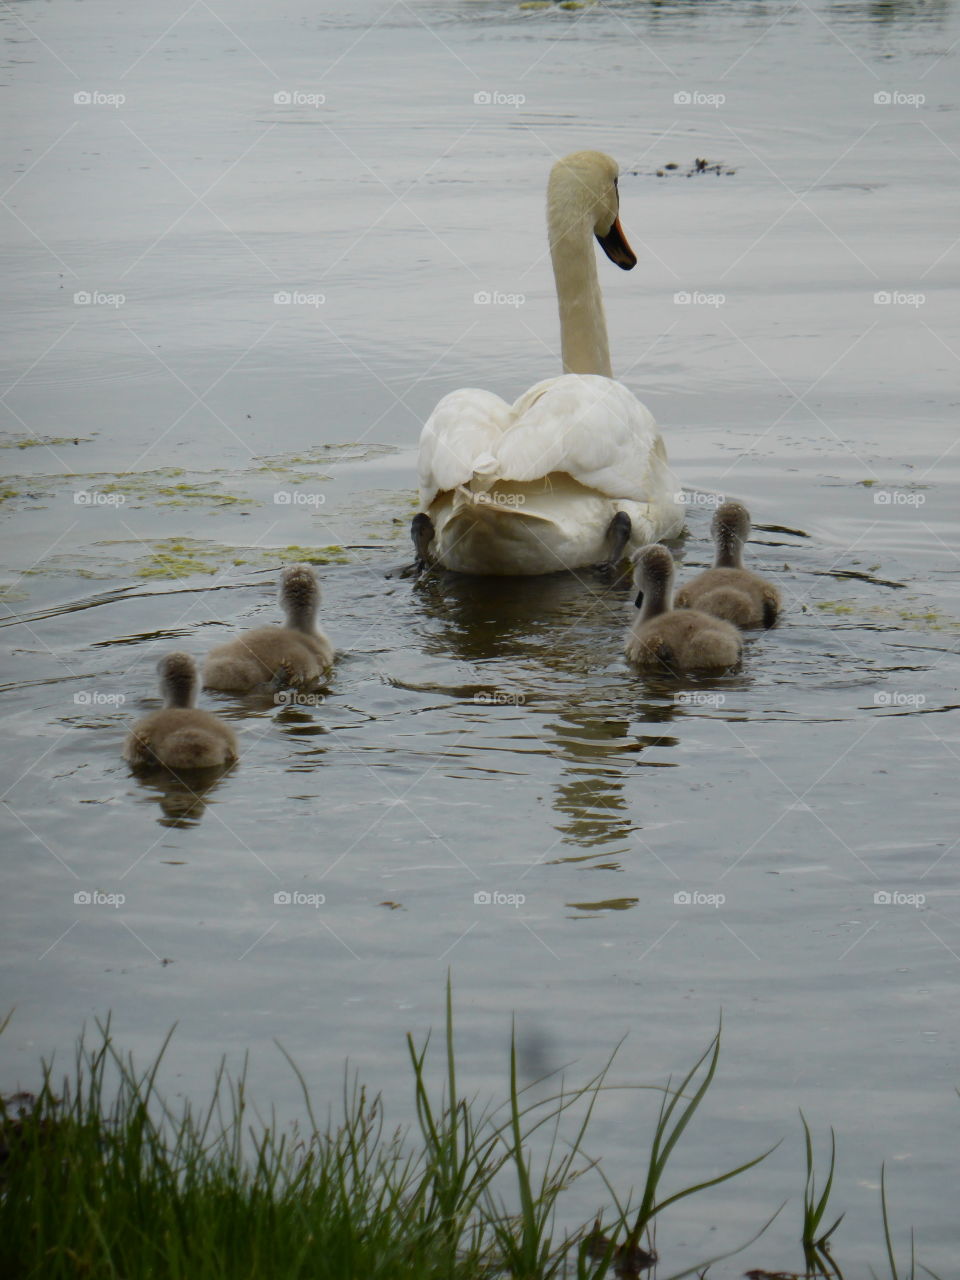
column 584, row 187
column 300, row 596
column 731, row 529
column 178, row 679
column 653, row 578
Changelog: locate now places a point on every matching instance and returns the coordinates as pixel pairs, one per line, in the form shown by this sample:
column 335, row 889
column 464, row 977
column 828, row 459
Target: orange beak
column 614, row 245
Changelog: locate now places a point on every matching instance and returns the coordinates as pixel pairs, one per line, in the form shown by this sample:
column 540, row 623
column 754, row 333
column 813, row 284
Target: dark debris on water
column 700, row 165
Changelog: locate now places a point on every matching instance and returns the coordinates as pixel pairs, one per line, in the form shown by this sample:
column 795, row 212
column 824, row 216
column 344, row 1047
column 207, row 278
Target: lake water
column 380, row 165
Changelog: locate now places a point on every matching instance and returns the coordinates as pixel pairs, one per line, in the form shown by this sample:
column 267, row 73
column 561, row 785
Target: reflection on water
column 182, row 797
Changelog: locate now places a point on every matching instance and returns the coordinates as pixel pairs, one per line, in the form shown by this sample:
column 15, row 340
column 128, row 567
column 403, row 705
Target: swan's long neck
column 729, row 549
column 583, row 328
column 179, row 687
column 656, row 597
column 301, row 612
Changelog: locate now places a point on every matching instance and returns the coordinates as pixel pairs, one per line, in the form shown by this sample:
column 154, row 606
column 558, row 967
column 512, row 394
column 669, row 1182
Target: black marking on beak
column 614, row 245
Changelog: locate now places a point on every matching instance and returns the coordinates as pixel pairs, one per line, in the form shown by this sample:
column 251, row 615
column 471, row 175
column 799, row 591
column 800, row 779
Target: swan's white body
column 532, row 487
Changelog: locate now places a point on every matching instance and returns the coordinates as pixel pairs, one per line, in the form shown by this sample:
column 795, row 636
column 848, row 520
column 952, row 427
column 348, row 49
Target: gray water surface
column 486, row 737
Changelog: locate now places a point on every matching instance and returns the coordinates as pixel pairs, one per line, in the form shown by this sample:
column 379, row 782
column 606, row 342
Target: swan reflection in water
column 556, row 644
column 182, row 796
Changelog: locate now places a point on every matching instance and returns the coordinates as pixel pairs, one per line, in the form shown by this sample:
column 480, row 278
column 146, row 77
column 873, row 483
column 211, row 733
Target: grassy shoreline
column 99, row 1177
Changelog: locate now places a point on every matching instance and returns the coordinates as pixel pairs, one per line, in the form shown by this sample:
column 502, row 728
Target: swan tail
column 194, row 748
column 233, row 672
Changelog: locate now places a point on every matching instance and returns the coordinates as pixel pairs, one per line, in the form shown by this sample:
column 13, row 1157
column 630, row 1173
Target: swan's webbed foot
column 281, row 680
column 421, row 531
column 618, row 535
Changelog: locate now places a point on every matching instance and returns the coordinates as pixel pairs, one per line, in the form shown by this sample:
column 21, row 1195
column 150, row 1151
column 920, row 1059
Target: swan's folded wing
column 590, row 427
column 466, row 426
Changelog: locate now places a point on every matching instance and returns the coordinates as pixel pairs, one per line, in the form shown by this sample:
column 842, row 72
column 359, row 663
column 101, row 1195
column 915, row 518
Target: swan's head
column 652, row 574
column 178, row 679
column 299, row 593
column 583, row 187
column 731, row 520
column 731, row 529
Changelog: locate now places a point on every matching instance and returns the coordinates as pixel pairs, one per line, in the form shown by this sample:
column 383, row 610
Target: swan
column 676, row 639
column 180, row 736
column 728, row 590
column 574, row 472
column 296, row 654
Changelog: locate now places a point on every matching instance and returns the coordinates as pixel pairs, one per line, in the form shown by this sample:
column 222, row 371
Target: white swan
column 575, row 471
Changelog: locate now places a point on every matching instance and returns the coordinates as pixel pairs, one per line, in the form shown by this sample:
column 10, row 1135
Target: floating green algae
column 177, row 558
column 325, row 455
column 181, row 557
column 914, row 619
column 40, row 442
column 139, row 487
